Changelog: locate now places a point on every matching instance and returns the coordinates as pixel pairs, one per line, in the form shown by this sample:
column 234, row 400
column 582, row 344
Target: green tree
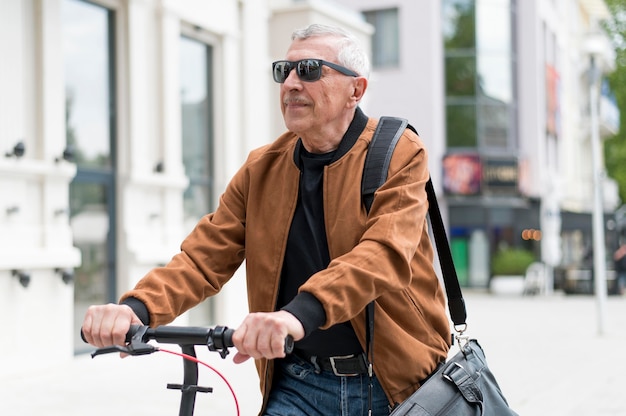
column 615, row 147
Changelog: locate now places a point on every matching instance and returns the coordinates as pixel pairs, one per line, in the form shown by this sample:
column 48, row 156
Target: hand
column 262, row 335
column 106, row 325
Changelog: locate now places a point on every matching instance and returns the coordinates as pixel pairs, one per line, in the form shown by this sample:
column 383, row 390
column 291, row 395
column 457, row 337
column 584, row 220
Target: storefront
column 486, row 213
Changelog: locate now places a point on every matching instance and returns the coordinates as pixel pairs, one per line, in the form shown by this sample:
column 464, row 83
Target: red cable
column 195, row 360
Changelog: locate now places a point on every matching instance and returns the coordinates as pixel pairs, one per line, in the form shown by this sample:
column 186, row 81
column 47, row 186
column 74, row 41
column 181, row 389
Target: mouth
column 294, row 102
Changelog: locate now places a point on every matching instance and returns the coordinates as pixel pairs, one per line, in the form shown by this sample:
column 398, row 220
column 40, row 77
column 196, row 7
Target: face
column 312, row 108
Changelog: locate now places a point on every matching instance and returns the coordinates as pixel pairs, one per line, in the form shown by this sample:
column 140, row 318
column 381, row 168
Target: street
column 545, row 352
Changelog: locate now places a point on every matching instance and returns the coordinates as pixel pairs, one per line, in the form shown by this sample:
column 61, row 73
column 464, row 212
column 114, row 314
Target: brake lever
column 108, row 350
column 137, row 346
column 132, row 349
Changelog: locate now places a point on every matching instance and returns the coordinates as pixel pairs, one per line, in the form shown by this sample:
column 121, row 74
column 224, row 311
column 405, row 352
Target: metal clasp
column 462, row 340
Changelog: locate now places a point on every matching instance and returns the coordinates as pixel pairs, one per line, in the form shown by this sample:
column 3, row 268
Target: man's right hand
column 263, row 335
column 106, row 325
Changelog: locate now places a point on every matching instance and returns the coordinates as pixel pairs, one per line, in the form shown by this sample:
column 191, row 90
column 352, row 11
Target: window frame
column 379, row 19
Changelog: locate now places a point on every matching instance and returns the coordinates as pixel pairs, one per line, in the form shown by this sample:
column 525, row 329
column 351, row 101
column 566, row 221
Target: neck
column 327, row 138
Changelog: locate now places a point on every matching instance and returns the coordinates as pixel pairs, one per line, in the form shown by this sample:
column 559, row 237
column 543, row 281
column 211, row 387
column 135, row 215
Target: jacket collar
column 349, row 138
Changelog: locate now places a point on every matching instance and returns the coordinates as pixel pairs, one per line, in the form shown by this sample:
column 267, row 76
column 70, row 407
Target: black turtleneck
column 307, row 252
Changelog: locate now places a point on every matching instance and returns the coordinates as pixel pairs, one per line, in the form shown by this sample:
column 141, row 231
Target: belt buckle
column 334, row 367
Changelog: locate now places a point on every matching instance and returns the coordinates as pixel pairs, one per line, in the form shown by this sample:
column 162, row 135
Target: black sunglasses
column 308, row 70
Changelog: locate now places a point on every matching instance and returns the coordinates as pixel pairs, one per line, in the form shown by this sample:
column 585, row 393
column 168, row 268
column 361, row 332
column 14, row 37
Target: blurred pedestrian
column 619, row 259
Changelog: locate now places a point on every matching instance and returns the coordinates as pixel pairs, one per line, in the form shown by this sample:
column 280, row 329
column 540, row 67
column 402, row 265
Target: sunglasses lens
column 309, row 70
column 281, row 71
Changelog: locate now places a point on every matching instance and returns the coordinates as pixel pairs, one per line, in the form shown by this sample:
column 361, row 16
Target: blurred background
column 121, row 122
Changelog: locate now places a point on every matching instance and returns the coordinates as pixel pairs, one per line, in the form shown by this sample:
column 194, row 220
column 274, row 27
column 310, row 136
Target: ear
column 360, row 85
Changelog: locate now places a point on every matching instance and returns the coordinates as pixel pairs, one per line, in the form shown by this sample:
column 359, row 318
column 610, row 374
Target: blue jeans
column 297, row 390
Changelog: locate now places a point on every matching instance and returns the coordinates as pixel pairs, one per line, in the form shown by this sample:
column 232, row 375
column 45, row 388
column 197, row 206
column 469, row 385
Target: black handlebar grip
column 228, row 337
column 129, row 335
column 132, row 331
column 228, row 340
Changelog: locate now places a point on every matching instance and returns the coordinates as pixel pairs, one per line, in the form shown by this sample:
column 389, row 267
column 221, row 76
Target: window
column 461, row 78
column 197, row 116
column 479, row 61
column 196, row 101
column 461, row 124
column 88, row 83
column 459, row 24
column 385, row 42
column 90, row 124
column 460, row 71
column 495, row 74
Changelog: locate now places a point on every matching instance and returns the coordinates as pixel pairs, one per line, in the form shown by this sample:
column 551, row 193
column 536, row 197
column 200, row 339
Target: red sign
column 462, row 174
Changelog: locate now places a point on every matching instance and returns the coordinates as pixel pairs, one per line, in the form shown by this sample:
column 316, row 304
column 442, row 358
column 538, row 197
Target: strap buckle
column 447, row 374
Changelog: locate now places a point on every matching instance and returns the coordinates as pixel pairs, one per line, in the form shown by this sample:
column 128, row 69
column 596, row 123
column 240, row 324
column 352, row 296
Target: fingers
column 259, row 336
column 106, row 325
column 262, row 335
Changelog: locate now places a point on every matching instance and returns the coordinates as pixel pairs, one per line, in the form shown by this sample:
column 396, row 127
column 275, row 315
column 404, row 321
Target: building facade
column 121, row 121
column 507, row 119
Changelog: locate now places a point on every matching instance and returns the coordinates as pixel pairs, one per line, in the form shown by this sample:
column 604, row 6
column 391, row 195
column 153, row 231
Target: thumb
column 240, row 358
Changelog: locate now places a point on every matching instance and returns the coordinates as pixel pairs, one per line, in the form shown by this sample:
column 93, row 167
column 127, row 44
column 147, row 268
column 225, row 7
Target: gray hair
column 349, row 54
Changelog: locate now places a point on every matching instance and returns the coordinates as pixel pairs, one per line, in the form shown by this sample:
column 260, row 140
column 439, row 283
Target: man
column 314, row 258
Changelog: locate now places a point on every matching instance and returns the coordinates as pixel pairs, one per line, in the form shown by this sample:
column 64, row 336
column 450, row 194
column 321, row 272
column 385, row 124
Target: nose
column 292, row 81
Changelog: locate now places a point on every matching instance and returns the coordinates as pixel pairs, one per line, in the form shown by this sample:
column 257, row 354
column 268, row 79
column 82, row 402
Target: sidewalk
column 547, row 355
column 108, row 385
column 545, row 352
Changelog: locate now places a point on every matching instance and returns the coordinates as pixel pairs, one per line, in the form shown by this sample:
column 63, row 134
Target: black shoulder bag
column 464, row 385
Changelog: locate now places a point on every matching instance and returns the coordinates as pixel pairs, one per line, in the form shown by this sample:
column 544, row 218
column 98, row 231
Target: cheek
column 281, row 96
column 334, row 98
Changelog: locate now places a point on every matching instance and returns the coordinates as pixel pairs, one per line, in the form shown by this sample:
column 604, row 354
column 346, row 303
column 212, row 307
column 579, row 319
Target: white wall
column 35, row 237
column 34, row 225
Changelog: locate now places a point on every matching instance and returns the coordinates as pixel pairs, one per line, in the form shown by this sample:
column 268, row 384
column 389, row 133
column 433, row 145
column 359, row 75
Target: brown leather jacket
column 386, row 256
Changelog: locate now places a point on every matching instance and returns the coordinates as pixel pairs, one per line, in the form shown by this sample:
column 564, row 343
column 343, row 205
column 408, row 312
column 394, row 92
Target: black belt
column 343, row 365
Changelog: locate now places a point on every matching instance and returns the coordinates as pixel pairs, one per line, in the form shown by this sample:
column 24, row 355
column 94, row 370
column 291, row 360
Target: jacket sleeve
column 209, row 256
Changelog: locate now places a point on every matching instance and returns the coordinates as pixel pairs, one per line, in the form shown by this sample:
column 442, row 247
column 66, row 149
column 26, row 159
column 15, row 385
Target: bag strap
column 381, row 149
column 456, row 303
column 377, row 161
column 384, row 140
